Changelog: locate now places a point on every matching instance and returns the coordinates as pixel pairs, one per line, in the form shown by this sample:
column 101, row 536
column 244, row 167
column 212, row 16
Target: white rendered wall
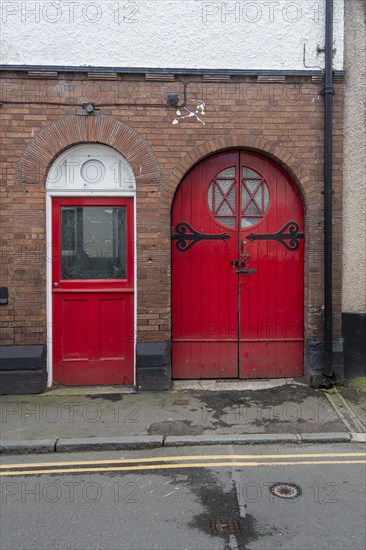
column 354, row 164
column 256, row 34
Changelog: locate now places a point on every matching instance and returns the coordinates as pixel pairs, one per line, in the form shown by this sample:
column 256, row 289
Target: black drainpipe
column 328, row 93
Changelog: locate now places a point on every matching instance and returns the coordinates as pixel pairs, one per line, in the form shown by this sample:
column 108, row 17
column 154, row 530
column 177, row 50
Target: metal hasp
column 186, row 236
column 328, row 93
column 247, row 271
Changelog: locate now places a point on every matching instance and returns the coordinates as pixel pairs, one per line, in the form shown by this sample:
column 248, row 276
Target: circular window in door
column 253, row 197
column 222, row 197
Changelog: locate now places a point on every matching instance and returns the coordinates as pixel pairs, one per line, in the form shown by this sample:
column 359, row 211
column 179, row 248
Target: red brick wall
column 283, row 120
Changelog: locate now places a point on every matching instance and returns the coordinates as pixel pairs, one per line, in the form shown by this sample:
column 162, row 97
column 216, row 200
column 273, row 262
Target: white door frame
column 81, row 192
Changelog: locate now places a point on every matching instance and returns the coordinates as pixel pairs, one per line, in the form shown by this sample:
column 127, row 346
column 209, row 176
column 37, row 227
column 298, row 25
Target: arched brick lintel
column 58, row 136
column 270, row 149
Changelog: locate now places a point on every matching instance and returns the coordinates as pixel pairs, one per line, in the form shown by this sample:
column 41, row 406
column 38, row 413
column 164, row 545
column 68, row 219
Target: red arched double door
column 237, row 270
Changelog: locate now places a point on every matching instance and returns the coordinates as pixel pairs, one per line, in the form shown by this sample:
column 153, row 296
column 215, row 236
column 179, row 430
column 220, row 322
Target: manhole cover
column 285, row 490
column 228, row 527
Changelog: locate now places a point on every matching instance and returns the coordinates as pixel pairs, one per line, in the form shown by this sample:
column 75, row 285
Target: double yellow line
column 174, row 462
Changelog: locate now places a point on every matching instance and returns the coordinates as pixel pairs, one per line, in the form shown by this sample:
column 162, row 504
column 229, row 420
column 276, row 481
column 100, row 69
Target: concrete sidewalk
column 193, row 413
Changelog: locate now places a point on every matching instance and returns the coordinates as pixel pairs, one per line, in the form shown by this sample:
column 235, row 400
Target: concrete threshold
column 235, row 385
column 68, row 391
column 178, row 385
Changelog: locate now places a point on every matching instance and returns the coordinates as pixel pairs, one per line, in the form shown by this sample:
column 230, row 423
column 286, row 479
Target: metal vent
column 222, row 527
column 42, row 74
column 271, row 78
column 156, row 76
column 102, row 76
column 216, row 78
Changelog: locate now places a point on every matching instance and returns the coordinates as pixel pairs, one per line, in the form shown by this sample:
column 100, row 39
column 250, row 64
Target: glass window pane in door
column 93, row 242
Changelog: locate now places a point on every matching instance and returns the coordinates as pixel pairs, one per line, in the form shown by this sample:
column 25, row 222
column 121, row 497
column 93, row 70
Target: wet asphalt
column 156, row 500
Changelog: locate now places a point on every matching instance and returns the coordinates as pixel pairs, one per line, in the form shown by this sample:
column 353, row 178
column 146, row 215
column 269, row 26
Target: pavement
column 193, row 413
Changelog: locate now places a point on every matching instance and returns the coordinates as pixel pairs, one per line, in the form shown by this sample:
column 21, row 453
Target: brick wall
column 283, row 120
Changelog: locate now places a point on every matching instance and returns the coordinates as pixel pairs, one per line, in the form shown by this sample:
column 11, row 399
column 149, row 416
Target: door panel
column 114, row 316
column 73, row 311
column 204, row 285
column 271, row 300
column 92, row 291
column 244, row 319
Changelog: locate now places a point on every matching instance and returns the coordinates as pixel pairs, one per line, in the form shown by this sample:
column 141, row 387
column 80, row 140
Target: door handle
column 247, row 271
column 55, row 284
column 238, row 264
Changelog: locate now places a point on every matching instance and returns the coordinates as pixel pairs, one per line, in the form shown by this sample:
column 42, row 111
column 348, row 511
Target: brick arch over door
column 270, row 149
column 51, row 141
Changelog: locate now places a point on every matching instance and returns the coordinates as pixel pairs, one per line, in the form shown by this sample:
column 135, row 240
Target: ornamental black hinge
column 186, row 236
column 289, row 240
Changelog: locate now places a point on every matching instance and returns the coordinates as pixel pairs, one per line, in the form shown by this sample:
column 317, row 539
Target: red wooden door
column 237, row 270
column 93, row 291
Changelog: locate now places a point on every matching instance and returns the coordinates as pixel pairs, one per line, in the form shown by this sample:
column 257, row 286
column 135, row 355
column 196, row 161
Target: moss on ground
column 358, row 383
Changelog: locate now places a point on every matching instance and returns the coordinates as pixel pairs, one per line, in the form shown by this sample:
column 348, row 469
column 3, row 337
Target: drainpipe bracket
column 327, row 90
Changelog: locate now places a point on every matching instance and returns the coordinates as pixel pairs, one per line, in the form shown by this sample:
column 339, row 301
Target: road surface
column 249, row 498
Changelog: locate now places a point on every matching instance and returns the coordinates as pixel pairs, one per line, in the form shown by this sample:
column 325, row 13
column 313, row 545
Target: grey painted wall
column 354, row 192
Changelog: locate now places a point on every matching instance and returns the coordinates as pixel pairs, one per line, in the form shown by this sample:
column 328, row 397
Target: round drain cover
column 285, row 490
